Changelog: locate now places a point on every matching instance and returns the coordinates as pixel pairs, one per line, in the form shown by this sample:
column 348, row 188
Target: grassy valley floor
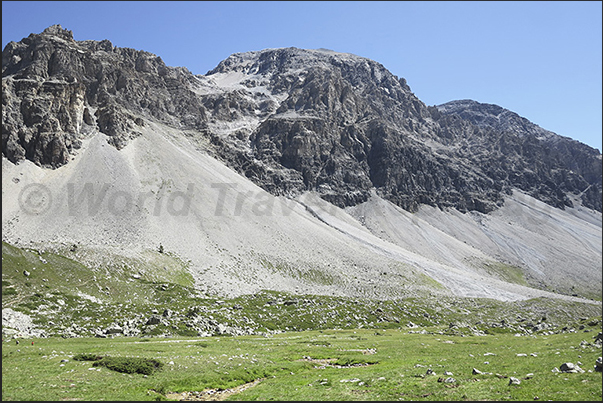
column 362, row 364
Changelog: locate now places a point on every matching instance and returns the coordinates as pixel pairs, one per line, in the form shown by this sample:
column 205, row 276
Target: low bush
column 9, row 291
column 86, row 357
column 126, row 365
column 130, row 365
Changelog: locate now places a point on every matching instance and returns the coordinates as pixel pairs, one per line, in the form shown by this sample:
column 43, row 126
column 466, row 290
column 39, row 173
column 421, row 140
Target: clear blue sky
column 541, row 59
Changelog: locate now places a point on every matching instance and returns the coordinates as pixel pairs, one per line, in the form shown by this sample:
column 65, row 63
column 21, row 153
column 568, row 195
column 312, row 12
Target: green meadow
column 362, row 364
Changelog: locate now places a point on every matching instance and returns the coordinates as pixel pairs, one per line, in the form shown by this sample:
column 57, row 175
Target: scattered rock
column 153, row 320
column 569, row 367
column 114, row 329
column 353, row 380
column 599, row 365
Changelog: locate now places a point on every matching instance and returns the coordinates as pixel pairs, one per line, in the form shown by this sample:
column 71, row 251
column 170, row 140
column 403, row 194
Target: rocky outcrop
column 291, row 120
column 17, row 325
column 521, row 153
column 56, row 90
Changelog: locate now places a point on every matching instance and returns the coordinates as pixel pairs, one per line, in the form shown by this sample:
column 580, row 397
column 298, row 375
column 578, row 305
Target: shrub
column 86, row 357
column 126, row 365
column 9, row 291
column 187, row 332
column 130, row 365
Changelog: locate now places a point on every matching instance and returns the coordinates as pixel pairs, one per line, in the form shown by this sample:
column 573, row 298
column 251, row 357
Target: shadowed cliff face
column 510, row 148
column 291, row 120
column 55, row 91
column 343, row 124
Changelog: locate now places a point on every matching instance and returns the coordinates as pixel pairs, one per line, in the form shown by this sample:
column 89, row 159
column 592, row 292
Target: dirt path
column 211, row 394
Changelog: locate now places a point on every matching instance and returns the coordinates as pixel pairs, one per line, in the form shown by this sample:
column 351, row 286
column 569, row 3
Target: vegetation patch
column 503, row 271
column 126, row 365
column 353, row 362
column 308, row 275
column 8, row 291
column 87, row 357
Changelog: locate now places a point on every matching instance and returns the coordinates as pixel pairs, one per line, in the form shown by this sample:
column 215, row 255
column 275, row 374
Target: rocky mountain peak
column 490, row 115
column 543, row 155
column 359, row 71
column 57, row 91
column 321, row 112
column 58, row 31
column 283, row 59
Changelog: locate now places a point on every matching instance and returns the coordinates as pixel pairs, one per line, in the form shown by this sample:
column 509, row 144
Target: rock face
column 519, row 152
column 342, row 125
column 291, row 120
column 56, row 90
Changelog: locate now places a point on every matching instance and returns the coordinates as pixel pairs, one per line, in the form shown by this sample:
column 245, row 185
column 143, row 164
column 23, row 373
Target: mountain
column 306, row 171
column 564, row 165
column 56, row 91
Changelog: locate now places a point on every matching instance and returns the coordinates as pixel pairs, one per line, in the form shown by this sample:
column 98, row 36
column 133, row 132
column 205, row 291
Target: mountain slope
column 341, row 125
column 306, row 171
column 563, row 164
column 236, row 237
